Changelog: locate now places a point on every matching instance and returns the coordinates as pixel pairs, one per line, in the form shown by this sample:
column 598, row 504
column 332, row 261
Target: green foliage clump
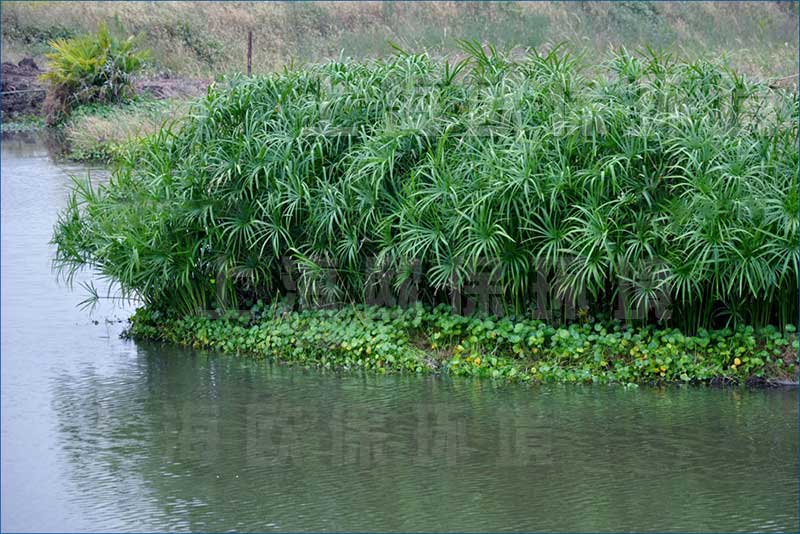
column 660, row 179
column 91, row 68
column 421, row 340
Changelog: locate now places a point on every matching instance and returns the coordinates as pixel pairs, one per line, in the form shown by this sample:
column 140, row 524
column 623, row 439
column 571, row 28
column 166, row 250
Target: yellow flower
column 737, row 361
column 663, row 367
column 477, row 361
column 434, row 345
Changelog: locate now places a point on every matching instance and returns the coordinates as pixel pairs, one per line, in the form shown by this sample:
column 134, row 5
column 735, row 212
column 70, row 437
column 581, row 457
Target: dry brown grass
column 209, row 38
column 96, row 133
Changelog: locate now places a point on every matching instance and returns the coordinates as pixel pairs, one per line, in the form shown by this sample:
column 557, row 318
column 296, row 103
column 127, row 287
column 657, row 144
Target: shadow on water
column 223, row 442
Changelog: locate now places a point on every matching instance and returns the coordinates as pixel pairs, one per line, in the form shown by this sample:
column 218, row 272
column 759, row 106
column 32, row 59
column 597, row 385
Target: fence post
column 249, row 52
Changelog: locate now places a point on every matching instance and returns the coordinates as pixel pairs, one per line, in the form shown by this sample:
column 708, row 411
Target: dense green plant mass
column 421, row 340
column 91, row 68
column 653, row 178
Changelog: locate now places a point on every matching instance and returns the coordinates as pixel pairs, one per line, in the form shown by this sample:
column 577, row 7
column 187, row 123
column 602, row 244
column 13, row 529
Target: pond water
column 103, row 434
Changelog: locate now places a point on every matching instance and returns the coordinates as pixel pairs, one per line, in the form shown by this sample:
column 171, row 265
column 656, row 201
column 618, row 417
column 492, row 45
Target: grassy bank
column 103, row 132
column 194, row 39
column 420, row 340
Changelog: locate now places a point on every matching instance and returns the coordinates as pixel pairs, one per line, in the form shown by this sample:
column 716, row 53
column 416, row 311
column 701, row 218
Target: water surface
column 104, row 434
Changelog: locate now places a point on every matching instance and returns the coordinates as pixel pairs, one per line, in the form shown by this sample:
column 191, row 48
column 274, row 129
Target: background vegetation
column 195, row 42
column 671, row 181
column 202, row 39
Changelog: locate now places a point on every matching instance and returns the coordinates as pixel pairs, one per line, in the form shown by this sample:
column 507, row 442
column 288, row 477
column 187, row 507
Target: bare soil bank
column 23, row 93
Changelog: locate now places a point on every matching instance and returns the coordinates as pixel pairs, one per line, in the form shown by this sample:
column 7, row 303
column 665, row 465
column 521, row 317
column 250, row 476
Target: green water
column 102, row 434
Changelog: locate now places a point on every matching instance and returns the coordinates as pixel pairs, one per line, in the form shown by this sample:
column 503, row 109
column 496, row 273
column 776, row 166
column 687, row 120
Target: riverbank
column 99, row 133
column 96, row 132
column 424, row 341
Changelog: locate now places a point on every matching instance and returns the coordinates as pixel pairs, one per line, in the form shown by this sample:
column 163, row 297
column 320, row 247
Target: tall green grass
column 661, row 180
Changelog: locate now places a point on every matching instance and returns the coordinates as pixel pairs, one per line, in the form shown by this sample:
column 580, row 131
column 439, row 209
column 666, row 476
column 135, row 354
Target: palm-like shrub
column 92, row 68
column 652, row 177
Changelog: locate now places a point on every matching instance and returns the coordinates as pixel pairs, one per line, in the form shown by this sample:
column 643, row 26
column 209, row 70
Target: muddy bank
column 24, row 92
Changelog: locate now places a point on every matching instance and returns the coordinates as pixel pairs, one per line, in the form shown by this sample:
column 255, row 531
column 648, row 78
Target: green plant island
column 669, row 183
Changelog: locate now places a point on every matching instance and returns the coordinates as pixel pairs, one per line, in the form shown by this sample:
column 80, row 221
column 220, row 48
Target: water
column 104, row 434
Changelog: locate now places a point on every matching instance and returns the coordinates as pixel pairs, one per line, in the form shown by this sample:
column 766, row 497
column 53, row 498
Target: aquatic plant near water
column 671, row 183
column 424, row 340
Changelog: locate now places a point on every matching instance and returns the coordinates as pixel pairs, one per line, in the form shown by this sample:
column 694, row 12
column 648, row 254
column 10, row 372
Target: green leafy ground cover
column 421, row 340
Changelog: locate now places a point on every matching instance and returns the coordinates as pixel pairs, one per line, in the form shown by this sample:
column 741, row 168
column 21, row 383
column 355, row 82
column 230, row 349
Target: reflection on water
column 104, row 434
column 220, row 442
